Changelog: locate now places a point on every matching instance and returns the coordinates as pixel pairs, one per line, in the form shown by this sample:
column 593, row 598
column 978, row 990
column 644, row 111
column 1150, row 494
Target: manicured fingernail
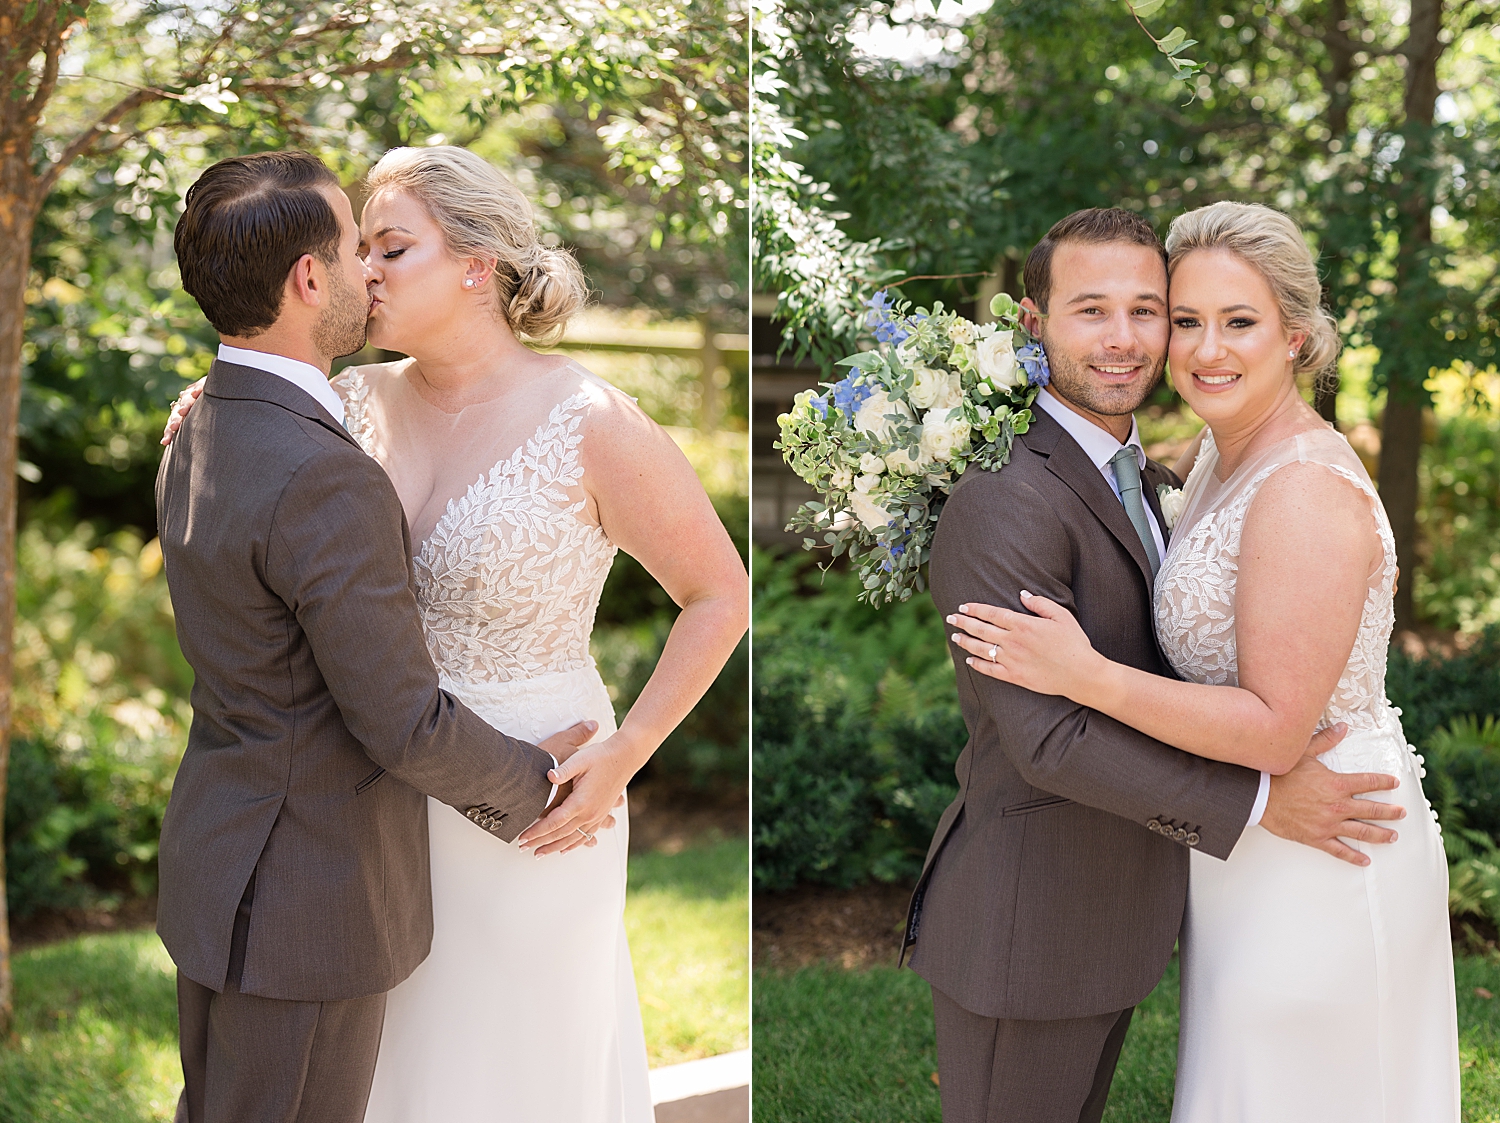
column 1025, row 595
column 970, row 660
column 954, row 637
column 951, row 619
column 963, row 608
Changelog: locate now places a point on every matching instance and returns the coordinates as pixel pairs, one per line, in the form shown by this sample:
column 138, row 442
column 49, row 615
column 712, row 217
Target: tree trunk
column 18, row 210
column 1401, row 433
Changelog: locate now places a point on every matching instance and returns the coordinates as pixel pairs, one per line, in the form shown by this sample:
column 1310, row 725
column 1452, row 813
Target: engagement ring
column 994, row 647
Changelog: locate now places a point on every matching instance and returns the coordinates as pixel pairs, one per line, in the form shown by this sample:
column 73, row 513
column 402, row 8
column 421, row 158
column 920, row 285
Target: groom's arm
column 1002, row 537
column 336, row 556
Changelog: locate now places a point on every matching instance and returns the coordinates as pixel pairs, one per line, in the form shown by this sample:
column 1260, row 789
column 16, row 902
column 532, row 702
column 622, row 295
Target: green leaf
column 1182, row 47
column 1172, row 41
column 1148, row 8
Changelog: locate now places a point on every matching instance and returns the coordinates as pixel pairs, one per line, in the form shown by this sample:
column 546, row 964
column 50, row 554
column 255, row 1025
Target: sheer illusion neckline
column 1255, row 457
column 507, row 467
column 405, row 369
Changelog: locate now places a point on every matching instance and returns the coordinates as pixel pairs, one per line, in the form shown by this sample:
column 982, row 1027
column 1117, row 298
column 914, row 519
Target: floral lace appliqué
column 1195, row 608
column 510, row 578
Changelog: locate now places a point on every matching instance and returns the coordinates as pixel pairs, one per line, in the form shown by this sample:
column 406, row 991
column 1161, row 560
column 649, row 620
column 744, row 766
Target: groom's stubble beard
column 1071, row 380
column 340, row 328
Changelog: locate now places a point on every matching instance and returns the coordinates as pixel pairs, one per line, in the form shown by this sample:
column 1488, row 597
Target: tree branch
column 86, row 140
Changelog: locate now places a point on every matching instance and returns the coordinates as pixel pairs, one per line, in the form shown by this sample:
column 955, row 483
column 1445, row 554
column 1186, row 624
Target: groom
column 1055, row 885
column 294, row 868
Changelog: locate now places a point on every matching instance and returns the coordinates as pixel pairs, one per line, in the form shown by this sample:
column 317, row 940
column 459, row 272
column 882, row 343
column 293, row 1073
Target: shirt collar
column 304, row 376
column 1097, row 445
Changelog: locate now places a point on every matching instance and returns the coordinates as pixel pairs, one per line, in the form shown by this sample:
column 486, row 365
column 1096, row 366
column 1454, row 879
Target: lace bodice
column 1196, row 588
column 509, row 577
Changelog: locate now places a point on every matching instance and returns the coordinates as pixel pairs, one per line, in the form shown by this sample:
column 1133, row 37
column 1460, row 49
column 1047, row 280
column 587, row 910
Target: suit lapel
column 231, row 380
column 1069, row 463
column 1155, row 477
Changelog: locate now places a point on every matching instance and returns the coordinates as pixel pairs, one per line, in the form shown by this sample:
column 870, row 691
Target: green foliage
column 100, row 718
column 1458, row 583
column 1432, row 692
column 856, row 730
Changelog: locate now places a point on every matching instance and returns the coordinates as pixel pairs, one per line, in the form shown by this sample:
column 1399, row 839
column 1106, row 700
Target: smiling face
column 416, row 285
column 1231, row 355
column 1105, row 330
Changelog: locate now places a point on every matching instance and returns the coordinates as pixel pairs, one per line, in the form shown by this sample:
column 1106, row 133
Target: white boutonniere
column 1171, row 503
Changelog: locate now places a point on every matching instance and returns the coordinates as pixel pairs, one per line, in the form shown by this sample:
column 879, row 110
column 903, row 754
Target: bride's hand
column 598, row 774
column 180, row 409
column 1047, row 653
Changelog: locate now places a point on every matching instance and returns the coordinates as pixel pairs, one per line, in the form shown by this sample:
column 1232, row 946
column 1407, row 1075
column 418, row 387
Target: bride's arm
column 1306, row 552
column 653, row 507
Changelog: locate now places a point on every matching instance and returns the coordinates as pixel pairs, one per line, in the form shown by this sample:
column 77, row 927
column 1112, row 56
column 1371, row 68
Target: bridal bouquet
column 883, row 445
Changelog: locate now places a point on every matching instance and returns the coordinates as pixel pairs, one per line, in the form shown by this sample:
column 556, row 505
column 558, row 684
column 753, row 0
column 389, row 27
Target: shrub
column 1457, row 584
column 100, row 718
column 1432, row 691
column 856, row 729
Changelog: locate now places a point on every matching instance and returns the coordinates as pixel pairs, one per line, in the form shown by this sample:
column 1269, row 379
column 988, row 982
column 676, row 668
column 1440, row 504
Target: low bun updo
column 1272, row 243
column 482, row 214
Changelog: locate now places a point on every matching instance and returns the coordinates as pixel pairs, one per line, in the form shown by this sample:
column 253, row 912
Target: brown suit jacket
column 1047, row 892
column 317, row 719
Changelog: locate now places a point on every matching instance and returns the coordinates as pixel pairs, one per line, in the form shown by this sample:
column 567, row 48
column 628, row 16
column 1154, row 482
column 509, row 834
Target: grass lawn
column 96, row 1032
column 835, row 1046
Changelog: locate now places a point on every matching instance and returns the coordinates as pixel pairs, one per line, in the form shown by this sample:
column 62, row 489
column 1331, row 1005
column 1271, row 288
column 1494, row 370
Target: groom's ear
column 305, row 284
column 1031, row 317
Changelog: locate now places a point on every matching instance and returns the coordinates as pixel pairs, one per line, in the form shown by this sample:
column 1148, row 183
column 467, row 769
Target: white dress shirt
column 306, row 377
column 313, row 382
column 1100, row 446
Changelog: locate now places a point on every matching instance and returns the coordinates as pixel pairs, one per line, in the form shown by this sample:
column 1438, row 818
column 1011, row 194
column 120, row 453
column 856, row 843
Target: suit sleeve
column 336, row 557
column 1011, row 539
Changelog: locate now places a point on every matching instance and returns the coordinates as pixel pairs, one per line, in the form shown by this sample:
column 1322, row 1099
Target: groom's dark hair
column 1095, row 226
column 247, row 221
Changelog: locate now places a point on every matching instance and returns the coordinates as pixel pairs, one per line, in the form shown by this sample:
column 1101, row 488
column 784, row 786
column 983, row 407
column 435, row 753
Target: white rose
column 866, row 483
column 871, row 417
column 1172, row 502
column 944, row 432
column 963, row 332
column 996, row 359
column 951, row 393
column 871, row 465
column 926, row 383
column 901, row 460
column 869, row 512
column 841, row 479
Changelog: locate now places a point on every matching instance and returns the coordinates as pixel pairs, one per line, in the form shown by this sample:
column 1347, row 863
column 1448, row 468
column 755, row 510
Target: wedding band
column 994, row 647
column 583, row 832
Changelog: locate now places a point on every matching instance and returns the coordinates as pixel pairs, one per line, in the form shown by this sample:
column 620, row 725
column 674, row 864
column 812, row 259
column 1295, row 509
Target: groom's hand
column 1318, row 807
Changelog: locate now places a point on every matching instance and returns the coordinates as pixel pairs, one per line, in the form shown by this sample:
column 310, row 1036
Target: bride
column 521, row 474
column 1312, row 989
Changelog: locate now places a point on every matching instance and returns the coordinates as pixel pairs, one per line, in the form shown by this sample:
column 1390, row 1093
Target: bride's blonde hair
column 1273, row 244
column 482, row 214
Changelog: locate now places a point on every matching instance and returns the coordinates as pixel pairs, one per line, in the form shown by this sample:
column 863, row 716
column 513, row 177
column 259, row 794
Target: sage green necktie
column 1128, row 477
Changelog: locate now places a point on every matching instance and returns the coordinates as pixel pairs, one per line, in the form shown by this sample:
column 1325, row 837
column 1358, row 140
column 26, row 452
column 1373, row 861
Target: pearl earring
column 468, row 284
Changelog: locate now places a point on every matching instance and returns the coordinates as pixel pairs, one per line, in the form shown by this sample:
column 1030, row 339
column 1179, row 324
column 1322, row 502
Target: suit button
column 1153, row 825
column 472, row 813
column 1179, row 834
column 1192, row 838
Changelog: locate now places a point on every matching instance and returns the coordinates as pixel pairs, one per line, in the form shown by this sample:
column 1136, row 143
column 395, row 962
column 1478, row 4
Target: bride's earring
column 469, row 283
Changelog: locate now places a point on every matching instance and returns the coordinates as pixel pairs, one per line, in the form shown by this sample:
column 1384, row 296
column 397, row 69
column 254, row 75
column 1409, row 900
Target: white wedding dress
column 1313, row 991
column 525, row 1011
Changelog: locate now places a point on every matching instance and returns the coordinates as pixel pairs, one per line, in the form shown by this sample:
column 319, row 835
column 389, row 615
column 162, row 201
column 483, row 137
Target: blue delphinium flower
column 887, row 328
column 820, row 404
column 848, row 397
column 1033, row 360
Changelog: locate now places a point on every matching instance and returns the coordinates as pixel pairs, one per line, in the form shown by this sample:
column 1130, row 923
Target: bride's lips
column 1216, row 381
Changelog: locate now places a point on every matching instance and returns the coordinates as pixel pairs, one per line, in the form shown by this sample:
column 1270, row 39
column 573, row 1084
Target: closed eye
column 389, row 254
